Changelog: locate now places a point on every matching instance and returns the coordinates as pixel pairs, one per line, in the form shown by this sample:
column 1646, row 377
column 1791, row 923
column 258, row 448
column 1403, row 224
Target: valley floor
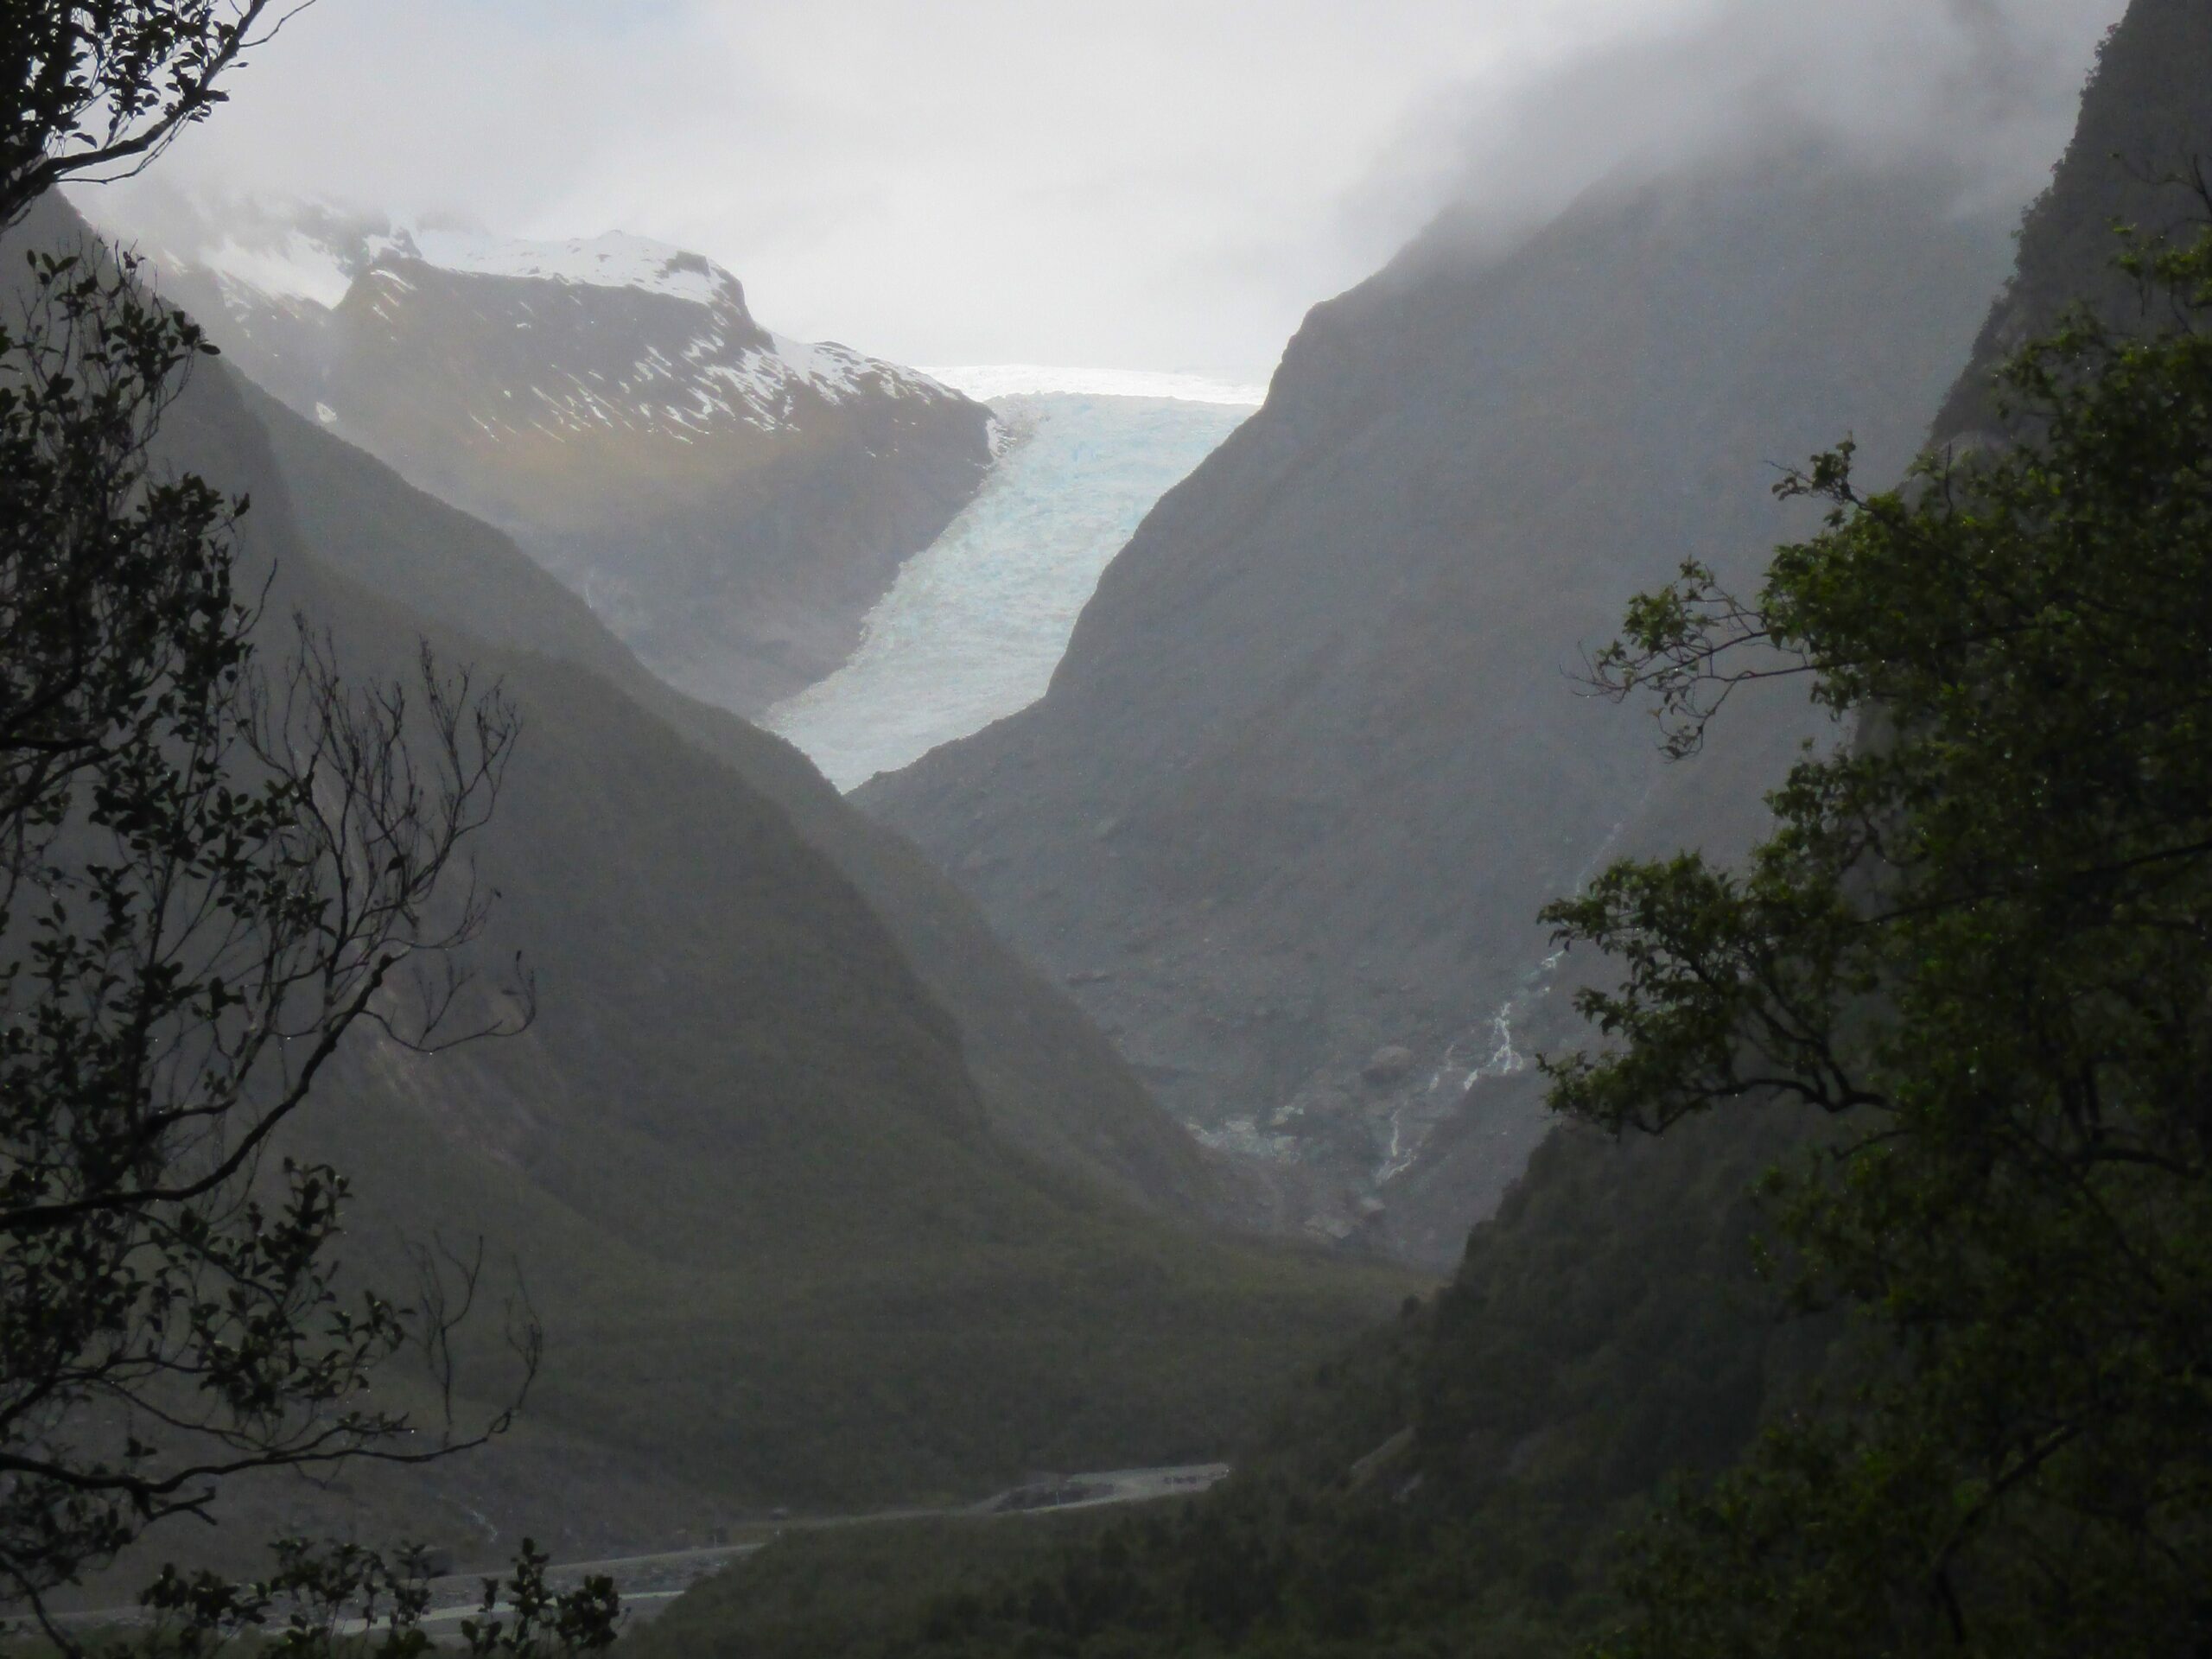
column 649, row 1583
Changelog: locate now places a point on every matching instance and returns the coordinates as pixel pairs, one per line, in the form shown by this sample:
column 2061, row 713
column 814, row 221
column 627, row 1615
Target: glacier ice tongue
column 974, row 625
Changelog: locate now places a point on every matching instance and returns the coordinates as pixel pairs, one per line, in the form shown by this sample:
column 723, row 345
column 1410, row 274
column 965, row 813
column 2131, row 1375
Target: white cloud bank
column 1125, row 183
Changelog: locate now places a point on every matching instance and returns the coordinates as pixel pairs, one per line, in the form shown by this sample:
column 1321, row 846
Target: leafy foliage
column 210, row 872
column 1979, row 939
column 98, row 88
column 323, row 1600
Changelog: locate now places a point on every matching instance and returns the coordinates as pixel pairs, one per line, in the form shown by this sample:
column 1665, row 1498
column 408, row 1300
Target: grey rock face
column 1388, row 1065
column 1327, row 694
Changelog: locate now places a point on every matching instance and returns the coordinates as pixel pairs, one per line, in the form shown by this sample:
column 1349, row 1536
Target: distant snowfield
column 611, row 261
column 973, row 627
column 294, row 263
column 989, row 382
column 713, row 379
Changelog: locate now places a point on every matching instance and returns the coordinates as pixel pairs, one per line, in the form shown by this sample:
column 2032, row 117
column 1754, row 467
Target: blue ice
column 973, row 627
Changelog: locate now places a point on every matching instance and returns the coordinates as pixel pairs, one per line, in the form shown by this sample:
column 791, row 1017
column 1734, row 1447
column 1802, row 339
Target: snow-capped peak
column 315, row 294
column 294, row 265
column 615, row 260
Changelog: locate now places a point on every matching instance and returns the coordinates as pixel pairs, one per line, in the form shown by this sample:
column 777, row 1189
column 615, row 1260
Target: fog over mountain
column 1137, row 183
column 1315, row 757
column 1051, row 565
column 1314, row 760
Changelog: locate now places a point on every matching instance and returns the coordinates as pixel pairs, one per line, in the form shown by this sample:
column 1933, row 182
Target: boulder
column 1388, row 1064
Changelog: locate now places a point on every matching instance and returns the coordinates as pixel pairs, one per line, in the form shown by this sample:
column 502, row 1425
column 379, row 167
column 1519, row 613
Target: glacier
column 973, row 627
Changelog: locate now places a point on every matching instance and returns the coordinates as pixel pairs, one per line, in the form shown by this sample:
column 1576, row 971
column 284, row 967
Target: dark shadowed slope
column 784, row 1250
column 1314, row 758
column 1051, row 1083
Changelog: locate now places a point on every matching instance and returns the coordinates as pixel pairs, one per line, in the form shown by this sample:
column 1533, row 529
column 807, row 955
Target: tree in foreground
column 1976, row 950
column 213, row 868
column 99, row 88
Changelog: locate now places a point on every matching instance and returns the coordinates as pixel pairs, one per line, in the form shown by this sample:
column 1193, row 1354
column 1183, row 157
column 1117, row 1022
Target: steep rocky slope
column 1458, row 1481
column 2145, row 133
column 1052, row 1081
column 790, row 1245
column 1315, row 756
column 731, row 502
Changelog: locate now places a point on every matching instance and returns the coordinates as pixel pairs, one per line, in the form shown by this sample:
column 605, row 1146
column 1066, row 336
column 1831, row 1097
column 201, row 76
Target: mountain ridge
column 1461, row 1481
column 729, row 501
column 788, row 1248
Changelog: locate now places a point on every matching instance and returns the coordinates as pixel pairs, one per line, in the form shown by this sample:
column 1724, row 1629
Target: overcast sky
column 1129, row 183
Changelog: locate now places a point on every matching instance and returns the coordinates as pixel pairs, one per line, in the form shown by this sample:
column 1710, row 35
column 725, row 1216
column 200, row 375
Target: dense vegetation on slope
column 2006, row 1013
column 1462, row 1473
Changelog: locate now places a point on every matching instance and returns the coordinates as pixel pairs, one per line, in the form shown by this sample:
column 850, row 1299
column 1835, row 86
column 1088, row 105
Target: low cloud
column 1134, row 183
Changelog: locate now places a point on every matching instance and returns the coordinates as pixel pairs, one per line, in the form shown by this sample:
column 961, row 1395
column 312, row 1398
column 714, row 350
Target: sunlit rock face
column 971, row 629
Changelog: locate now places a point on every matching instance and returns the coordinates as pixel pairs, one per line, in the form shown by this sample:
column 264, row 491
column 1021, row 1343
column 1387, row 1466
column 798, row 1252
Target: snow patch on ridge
column 694, row 373
column 294, row 266
column 713, row 381
column 615, row 260
column 835, row 371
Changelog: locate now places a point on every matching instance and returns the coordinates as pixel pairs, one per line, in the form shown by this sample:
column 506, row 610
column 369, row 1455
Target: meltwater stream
column 973, row 627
